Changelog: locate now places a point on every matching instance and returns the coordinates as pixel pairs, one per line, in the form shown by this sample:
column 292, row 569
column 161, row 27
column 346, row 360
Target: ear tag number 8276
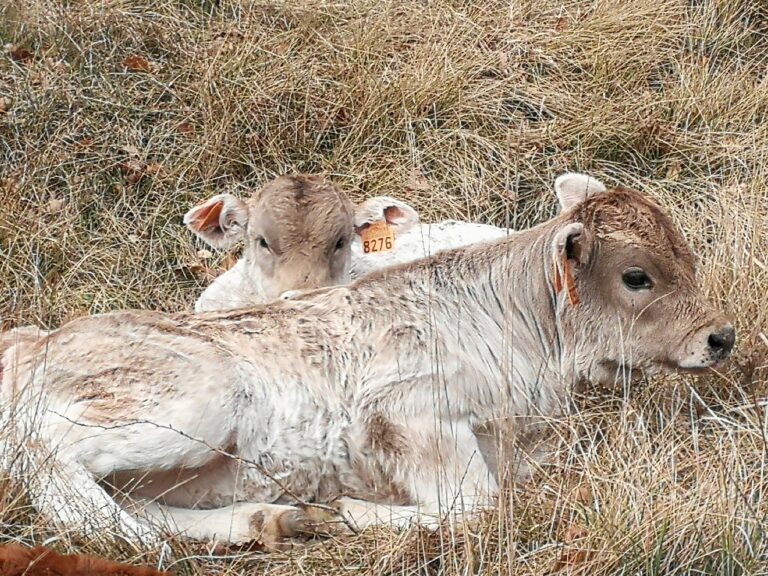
column 378, row 237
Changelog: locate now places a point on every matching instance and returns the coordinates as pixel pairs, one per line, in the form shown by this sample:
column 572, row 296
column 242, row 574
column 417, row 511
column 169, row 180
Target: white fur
column 423, row 240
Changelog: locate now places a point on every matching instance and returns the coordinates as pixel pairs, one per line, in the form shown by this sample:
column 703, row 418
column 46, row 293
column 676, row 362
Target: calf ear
column 397, row 214
column 570, row 251
column 573, row 187
column 220, row 221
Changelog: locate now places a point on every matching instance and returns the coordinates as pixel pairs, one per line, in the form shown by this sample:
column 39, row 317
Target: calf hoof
column 284, row 529
column 322, row 521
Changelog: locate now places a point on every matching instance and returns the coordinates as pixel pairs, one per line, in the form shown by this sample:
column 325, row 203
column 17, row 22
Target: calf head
column 297, row 231
column 627, row 288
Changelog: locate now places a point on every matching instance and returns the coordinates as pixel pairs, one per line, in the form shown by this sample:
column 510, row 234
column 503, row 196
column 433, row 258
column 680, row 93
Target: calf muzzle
column 721, row 342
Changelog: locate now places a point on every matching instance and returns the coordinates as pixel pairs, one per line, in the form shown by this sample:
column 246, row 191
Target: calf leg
column 245, row 522
column 62, row 490
column 363, row 514
column 199, row 504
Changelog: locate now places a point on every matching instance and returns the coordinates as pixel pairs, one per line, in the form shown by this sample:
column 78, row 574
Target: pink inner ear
column 207, row 219
column 392, row 214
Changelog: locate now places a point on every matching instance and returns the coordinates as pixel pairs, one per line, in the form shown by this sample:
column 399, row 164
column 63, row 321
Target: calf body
column 240, row 287
column 378, row 392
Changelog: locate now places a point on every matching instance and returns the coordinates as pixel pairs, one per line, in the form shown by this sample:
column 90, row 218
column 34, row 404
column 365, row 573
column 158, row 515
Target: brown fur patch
column 16, row 560
column 385, row 436
column 635, row 218
column 256, row 522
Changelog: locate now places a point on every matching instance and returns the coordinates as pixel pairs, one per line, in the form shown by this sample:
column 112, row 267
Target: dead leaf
column 573, row 533
column 5, row 105
column 153, row 168
column 343, row 117
column 52, row 278
column 185, row 128
column 84, row 144
column 58, row 66
column 18, row 53
column 572, row 553
column 202, row 271
column 130, row 149
column 136, row 63
column 417, row 182
column 561, row 24
column 204, row 254
column 228, row 261
column 583, row 495
column 133, row 170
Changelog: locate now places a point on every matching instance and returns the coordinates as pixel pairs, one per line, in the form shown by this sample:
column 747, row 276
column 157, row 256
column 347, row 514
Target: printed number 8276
column 377, row 244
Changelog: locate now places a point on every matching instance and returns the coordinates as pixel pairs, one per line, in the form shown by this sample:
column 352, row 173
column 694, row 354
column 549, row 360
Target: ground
column 117, row 116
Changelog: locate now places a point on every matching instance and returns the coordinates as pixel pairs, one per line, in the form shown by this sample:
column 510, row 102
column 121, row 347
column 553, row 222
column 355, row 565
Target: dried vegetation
column 116, row 116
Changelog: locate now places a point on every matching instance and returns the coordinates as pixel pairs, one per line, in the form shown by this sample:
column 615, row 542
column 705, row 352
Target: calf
column 373, row 396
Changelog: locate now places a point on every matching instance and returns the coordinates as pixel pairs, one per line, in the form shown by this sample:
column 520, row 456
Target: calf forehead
column 303, row 208
column 630, row 218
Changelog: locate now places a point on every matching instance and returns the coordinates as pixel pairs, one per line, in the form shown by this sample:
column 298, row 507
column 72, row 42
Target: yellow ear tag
column 378, row 237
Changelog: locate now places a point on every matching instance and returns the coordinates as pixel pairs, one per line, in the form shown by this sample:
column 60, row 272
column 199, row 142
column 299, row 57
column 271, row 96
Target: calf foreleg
column 244, row 522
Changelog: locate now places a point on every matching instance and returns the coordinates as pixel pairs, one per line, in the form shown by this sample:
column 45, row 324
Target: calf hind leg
column 66, row 494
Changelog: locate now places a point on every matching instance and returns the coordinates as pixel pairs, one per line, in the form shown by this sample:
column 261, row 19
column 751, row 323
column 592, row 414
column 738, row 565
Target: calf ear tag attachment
column 570, row 285
column 378, row 237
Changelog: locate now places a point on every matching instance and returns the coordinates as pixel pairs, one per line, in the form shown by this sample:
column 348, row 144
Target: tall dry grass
column 116, row 116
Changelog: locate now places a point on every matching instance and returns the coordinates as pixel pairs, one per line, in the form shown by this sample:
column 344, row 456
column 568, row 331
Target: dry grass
column 466, row 109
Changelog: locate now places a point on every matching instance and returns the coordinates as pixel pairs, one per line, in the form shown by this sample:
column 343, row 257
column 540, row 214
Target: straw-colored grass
column 116, row 116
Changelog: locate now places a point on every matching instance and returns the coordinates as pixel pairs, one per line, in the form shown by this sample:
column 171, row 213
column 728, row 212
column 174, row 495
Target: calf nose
column 722, row 342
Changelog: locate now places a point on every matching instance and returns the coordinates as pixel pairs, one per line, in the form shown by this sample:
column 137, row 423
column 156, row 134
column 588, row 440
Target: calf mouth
column 635, row 371
column 711, row 365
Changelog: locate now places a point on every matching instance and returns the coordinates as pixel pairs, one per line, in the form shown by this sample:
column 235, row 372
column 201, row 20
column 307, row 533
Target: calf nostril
column 723, row 340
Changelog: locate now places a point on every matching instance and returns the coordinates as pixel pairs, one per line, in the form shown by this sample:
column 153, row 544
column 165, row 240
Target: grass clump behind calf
column 115, row 117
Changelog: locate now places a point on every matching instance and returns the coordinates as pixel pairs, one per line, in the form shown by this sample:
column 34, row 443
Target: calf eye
column 636, row 279
column 339, row 244
column 262, row 243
